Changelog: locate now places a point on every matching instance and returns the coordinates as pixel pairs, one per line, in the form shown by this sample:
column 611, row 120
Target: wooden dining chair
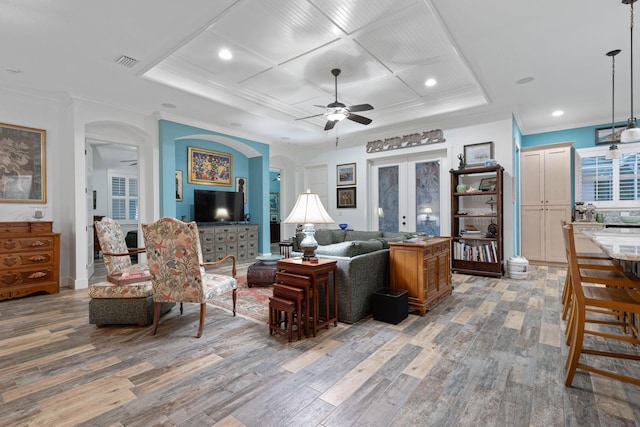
column 177, row 269
column 609, row 298
column 598, row 269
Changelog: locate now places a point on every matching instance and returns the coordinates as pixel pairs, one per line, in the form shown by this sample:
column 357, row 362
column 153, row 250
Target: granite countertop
column 619, row 243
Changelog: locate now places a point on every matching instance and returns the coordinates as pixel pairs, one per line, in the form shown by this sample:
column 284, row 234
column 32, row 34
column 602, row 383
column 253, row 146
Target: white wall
column 293, row 161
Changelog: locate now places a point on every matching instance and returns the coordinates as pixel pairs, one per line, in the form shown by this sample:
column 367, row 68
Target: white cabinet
column 546, row 201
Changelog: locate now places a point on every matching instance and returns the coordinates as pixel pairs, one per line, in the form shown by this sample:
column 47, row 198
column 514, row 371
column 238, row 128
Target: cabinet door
column 554, row 245
column 557, row 176
column 406, row 268
column 532, row 178
column 533, row 242
column 431, row 290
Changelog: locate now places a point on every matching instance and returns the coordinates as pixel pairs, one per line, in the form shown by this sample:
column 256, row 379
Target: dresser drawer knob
column 37, row 275
column 37, row 244
column 38, row 258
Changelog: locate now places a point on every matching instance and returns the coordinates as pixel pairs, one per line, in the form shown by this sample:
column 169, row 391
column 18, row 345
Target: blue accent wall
column 174, row 140
column 584, row 137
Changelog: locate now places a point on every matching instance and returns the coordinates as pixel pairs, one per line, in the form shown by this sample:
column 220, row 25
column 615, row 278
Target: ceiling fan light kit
column 337, row 111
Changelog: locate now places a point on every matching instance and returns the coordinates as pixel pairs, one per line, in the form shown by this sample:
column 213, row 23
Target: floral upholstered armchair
column 177, row 268
column 116, row 255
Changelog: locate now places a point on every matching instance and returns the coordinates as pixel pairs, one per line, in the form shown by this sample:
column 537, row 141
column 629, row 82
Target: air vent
column 126, row 61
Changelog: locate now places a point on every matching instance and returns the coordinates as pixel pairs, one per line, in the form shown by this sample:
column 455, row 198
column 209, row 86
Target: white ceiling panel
column 351, row 16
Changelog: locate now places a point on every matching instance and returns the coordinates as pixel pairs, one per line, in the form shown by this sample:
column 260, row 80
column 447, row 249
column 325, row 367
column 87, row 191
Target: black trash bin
column 390, row 305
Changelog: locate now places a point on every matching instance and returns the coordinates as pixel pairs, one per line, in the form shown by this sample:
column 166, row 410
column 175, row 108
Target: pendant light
column 631, row 133
column 613, row 152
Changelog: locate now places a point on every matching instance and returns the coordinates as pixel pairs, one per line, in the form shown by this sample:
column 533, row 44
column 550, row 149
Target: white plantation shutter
column 123, row 196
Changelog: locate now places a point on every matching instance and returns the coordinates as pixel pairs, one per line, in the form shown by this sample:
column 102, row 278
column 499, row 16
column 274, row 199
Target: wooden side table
column 319, row 273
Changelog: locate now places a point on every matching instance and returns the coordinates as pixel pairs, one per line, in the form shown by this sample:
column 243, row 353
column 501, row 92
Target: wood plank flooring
column 492, row 354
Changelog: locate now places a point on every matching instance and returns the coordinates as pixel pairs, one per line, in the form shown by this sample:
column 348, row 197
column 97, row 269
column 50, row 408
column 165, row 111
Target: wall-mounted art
column 242, row 187
column 603, row 135
column 477, row 154
column 23, row 172
column 209, row 167
column 178, row 185
column 346, row 174
column 346, row 197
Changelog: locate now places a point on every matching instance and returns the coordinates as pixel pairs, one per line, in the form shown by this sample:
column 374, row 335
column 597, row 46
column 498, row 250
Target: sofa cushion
column 385, row 240
column 350, row 249
column 338, row 235
column 324, row 237
column 361, row 235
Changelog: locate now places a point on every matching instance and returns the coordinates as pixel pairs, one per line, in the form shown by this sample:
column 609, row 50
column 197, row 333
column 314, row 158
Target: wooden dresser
column 423, row 268
column 29, row 259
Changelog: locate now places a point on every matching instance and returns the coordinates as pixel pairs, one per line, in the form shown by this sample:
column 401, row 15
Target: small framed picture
column 346, row 174
column 274, row 217
column 476, row 154
column 274, row 204
column 178, row 185
column 603, row 135
column 346, row 197
column 487, row 184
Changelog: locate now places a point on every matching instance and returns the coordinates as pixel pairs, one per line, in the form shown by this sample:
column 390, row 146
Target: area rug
column 251, row 303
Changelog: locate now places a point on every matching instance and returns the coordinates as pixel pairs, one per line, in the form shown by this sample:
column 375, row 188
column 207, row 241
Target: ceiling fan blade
column 359, row 119
column 361, row 107
column 125, row 161
column 330, row 124
column 308, row 117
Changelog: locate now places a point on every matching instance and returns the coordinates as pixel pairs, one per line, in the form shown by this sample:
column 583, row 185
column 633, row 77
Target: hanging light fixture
column 613, row 152
column 631, row 133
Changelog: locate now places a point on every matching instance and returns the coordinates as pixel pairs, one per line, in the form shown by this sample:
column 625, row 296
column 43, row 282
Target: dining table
column 620, row 243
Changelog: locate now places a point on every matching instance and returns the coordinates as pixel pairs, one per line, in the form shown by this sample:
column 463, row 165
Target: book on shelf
column 485, row 252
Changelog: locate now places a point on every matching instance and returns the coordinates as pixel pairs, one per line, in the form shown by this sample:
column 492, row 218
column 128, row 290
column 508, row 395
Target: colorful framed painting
column 346, row 197
column 346, row 174
column 22, row 155
column 209, row 167
column 274, row 202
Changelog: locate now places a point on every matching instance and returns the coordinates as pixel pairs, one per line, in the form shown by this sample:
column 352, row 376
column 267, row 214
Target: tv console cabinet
column 29, row 259
column 218, row 241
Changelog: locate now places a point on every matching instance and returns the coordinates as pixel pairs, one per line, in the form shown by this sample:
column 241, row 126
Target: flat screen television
column 218, row 206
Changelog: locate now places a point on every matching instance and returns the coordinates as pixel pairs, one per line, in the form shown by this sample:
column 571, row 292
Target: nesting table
column 320, row 274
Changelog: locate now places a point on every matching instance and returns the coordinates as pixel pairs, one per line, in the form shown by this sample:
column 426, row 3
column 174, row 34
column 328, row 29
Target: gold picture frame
column 23, row 177
column 209, row 167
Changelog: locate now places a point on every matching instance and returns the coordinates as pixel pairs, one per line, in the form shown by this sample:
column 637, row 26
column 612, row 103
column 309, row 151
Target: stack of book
column 121, row 278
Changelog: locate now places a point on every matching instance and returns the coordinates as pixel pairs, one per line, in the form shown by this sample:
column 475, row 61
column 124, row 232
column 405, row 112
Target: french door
column 407, row 195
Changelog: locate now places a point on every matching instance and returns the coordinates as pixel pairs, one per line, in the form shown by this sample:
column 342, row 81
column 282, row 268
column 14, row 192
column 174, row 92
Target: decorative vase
column 461, row 188
column 343, row 226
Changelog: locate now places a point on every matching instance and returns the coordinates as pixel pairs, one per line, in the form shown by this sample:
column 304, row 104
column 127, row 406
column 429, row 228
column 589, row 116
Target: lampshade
column 308, row 210
column 427, row 210
column 222, row 214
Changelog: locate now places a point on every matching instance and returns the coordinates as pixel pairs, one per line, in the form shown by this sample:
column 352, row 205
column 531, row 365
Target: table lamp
column 308, row 210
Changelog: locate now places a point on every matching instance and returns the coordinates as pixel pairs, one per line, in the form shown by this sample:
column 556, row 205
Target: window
column 609, row 182
column 123, row 194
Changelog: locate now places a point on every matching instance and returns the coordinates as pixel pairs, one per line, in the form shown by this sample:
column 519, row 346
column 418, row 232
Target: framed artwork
column 346, row 174
column 476, row 154
column 23, row 174
column 274, row 204
column 241, row 187
column 209, row 167
column 603, row 135
column 487, row 184
column 178, row 185
column 346, row 197
column 274, row 217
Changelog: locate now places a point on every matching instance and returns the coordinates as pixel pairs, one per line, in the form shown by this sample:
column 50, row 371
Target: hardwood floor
column 490, row 354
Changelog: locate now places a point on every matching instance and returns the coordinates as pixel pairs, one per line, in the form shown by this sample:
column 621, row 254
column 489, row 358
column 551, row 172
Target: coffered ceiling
column 283, row 52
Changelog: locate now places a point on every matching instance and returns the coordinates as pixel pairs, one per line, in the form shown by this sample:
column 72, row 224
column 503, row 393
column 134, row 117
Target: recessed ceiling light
column 525, row 80
column 225, row 54
column 167, row 105
column 430, row 82
column 557, row 113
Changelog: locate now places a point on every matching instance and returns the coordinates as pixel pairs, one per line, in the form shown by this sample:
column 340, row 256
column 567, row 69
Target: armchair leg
column 203, row 313
column 234, row 302
column 156, row 316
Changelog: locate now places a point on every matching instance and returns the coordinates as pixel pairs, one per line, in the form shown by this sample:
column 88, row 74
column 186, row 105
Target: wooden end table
column 319, row 273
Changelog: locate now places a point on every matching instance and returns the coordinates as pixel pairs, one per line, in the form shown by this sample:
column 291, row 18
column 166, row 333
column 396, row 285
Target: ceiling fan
column 337, row 111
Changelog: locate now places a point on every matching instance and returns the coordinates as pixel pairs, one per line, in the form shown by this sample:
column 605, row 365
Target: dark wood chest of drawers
column 29, row 259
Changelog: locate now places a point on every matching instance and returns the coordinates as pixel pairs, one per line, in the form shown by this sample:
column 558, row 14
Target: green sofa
column 363, row 265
